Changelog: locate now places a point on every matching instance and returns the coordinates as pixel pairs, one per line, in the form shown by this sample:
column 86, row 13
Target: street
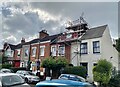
column 32, row 85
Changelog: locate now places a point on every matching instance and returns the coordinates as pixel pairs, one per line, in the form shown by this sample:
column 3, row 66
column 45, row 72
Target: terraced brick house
column 80, row 45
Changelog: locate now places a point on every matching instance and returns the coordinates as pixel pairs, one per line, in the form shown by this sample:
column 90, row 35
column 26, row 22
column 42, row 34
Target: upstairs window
column 18, row 52
column 84, row 49
column 53, row 50
column 61, row 50
column 33, row 51
column 26, row 52
column 9, row 53
column 42, row 50
column 96, row 47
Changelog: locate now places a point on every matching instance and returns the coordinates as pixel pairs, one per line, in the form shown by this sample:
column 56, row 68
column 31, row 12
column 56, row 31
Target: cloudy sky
column 26, row 19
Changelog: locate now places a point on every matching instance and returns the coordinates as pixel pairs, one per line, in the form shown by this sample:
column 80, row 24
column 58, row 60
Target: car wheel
column 26, row 80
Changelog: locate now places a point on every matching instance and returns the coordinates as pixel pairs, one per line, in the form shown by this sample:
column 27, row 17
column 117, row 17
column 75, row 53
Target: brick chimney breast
column 43, row 34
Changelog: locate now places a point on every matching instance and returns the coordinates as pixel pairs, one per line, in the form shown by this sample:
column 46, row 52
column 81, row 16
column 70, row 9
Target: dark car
column 12, row 80
column 62, row 83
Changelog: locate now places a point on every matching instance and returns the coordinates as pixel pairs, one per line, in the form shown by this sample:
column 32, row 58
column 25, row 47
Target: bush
column 7, row 65
column 115, row 81
column 77, row 70
column 55, row 64
column 102, row 72
column 15, row 69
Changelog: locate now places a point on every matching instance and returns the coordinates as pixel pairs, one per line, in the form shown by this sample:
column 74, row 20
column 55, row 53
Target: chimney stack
column 23, row 40
column 43, row 34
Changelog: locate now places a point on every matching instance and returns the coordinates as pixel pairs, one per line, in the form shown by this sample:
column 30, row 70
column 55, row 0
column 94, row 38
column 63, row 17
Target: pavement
column 32, row 85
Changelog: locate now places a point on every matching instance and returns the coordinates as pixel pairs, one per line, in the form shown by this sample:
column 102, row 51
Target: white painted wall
column 106, row 51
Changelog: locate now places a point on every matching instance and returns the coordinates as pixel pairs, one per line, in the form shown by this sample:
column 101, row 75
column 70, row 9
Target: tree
column 117, row 45
column 115, row 80
column 55, row 64
column 102, row 72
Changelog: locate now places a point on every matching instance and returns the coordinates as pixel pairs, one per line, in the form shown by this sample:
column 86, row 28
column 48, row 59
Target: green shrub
column 7, row 65
column 102, row 72
column 55, row 64
column 77, row 70
column 115, row 80
column 15, row 69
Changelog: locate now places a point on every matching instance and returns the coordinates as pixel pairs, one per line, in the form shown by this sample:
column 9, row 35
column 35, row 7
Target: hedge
column 77, row 70
column 15, row 69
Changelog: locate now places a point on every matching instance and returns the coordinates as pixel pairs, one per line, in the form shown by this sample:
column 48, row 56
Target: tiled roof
column 12, row 46
column 52, row 37
column 94, row 32
column 18, row 46
column 91, row 33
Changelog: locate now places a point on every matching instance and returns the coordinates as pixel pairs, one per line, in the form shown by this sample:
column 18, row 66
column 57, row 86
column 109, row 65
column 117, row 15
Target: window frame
column 96, row 49
column 43, row 50
column 84, row 49
column 54, row 53
column 63, row 50
column 26, row 49
column 34, row 54
column 18, row 52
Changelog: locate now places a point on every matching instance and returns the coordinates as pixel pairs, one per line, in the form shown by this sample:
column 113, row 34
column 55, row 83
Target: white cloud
column 11, row 39
column 45, row 16
column 25, row 19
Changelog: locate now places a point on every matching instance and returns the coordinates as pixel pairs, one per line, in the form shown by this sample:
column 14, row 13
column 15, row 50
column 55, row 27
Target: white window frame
column 54, row 52
column 84, row 48
column 59, row 50
column 42, row 54
column 96, row 47
column 9, row 53
column 24, row 52
column 34, row 53
column 18, row 52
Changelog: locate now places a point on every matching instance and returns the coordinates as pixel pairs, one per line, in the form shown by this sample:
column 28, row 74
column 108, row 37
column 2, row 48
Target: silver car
column 6, row 70
column 71, row 77
column 28, row 76
column 12, row 80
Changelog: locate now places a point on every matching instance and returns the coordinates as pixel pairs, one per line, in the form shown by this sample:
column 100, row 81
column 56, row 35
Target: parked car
column 12, row 80
column 28, row 76
column 6, row 70
column 71, row 77
column 62, row 83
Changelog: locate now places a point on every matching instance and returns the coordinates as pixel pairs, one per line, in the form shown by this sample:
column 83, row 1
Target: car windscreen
column 30, row 73
column 12, row 80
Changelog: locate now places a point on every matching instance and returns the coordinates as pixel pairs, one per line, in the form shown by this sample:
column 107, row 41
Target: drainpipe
column 38, row 62
column 29, row 63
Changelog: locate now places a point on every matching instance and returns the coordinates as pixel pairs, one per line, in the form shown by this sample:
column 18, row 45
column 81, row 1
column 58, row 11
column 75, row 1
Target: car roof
column 55, row 82
column 7, row 74
column 73, row 75
column 70, row 74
